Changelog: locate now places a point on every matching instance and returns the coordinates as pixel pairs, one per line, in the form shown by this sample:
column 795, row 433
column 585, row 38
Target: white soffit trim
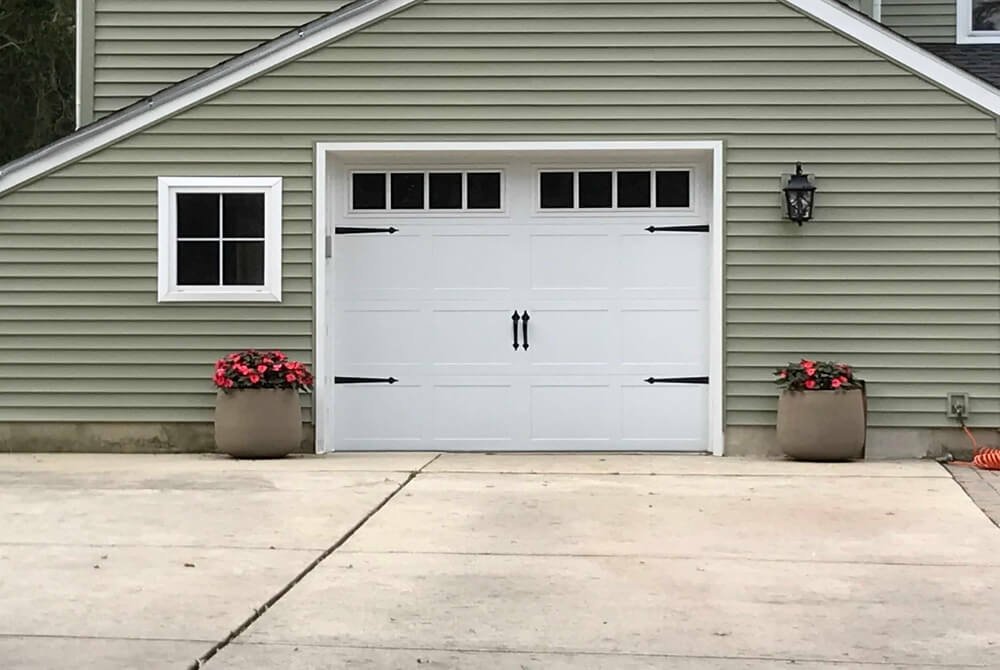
column 211, row 82
column 900, row 50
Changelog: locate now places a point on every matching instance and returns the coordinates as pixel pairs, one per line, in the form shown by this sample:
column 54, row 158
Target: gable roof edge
column 188, row 93
column 902, row 51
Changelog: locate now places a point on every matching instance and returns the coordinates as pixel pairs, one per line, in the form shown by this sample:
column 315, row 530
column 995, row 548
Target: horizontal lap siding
column 899, row 273
column 931, row 21
column 143, row 47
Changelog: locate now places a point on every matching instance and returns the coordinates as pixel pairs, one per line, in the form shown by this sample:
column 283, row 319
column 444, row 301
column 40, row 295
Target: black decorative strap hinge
column 342, row 230
column 365, row 380
column 678, row 229
column 676, row 380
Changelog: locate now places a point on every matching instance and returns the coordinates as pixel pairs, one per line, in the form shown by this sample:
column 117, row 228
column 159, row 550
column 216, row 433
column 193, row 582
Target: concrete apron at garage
column 505, row 561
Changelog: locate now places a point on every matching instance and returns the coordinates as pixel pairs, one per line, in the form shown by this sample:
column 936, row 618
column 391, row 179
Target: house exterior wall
column 898, row 273
column 923, row 21
column 142, row 47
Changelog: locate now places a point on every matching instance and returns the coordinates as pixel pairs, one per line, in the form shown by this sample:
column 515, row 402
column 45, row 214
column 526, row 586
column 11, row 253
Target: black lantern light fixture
column 800, row 194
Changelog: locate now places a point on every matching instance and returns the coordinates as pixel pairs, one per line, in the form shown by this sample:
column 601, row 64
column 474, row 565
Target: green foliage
column 810, row 375
column 37, row 49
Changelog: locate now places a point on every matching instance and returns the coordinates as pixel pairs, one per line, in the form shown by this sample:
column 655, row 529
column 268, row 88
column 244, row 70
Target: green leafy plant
column 252, row 369
column 809, row 375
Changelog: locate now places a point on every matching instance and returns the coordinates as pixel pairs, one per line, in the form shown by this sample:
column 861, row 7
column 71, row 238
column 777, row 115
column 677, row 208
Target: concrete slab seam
column 259, row 611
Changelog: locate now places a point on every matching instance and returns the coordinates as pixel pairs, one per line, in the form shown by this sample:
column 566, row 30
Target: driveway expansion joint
column 260, row 611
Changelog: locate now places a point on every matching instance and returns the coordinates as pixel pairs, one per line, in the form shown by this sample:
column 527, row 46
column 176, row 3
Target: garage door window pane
column 673, row 188
column 556, row 190
column 198, row 215
column 634, row 189
column 198, row 263
column 243, row 263
column 243, row 215
column 407, row 190
column 484, row 190
column 595, row 189
column 446, row 190
column 368, row 191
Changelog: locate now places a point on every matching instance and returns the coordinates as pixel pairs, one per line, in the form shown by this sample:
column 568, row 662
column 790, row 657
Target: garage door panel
column 674, row 263
column 569, row 410
column 669, row 334
column 569, row 261
column 570, row 336
column 380, row 416
column 381, row 266
column 664, row 416
column 464, row 263
column 380, row 335
column 475, row 414
column 462, row 337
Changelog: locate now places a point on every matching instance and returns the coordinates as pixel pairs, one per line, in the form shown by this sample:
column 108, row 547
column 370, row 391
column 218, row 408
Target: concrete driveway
column 492, row 561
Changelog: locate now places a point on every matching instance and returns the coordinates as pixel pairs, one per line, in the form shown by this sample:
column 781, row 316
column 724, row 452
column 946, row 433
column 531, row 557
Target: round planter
column 258, row 423
column 822, row 425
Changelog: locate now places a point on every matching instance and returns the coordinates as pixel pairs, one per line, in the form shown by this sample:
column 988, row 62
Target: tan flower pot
column 822, row 425
column 258, row 423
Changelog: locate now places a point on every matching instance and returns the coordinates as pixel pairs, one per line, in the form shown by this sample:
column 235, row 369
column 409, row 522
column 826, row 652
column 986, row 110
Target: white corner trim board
column 357, row 16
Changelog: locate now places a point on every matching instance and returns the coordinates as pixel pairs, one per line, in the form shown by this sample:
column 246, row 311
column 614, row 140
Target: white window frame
column 963, row 27
column 651, row 211
column 426, row 212
column 168, row 290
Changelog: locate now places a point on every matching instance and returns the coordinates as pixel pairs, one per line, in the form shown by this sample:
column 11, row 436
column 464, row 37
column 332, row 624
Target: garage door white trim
column 324, row 241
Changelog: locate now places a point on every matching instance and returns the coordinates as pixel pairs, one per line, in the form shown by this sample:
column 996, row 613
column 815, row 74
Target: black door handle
column 524, row 328
column 515, row 318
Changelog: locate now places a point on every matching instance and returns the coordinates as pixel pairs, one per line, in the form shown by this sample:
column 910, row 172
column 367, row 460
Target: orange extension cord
column 985, row 458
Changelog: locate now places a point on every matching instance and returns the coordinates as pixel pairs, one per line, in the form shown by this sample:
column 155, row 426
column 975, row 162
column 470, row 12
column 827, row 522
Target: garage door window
column 220, row 239
column 632, row 189
column 417, row 191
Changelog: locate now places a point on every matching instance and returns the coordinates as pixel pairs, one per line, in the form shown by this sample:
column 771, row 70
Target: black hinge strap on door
column 365, row 380
column 677, row 229
column 676, row 380
column 524, row 328
column 342, row 230
column 515, row 318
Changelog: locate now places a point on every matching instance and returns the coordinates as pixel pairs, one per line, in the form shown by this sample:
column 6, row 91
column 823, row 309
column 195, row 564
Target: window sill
column 225, row 295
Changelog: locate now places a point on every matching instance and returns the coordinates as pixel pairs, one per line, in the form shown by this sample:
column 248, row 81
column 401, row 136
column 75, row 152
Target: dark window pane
column 368, row 191
column 243, row 215
column 407, row 190
column 557, row 190
column 633, row 189
column 197, row 215
column 243, row 263
column 595, row 189
column 673, row 189
column 446, row 191
column 484, row 190
column 197, row 263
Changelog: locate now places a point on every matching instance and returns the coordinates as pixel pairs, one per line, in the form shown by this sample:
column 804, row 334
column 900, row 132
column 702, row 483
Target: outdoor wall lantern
column 800, row 194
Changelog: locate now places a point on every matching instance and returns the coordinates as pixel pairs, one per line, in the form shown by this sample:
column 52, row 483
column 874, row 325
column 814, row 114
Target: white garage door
column 521, row 305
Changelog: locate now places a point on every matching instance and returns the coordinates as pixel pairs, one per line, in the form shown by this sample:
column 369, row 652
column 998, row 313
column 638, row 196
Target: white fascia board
column 901, row 51
column 119, row 128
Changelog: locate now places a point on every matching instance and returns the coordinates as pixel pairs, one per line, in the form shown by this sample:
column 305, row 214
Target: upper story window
column 978, row 21
column 219, row 239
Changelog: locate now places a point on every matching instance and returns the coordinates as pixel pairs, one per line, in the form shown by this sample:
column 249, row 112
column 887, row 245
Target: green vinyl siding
column 898, row 273
column 930, row 21
column 141, row 47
